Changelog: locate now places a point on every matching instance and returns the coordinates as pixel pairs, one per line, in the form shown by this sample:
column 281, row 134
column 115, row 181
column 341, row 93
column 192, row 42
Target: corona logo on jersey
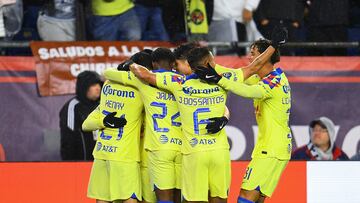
column 191, row 90
column 108, row 90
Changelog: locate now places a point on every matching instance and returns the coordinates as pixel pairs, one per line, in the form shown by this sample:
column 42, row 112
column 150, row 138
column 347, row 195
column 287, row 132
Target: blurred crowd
column 182, row 20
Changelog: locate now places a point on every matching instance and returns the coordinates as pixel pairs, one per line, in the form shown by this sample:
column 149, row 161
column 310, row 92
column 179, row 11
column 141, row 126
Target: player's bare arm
column 258, row 62
column 143, row 73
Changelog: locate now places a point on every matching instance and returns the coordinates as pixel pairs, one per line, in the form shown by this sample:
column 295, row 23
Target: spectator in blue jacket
column 322, row 143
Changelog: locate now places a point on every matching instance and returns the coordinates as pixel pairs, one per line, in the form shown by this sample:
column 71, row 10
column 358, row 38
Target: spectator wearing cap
column 322, row 143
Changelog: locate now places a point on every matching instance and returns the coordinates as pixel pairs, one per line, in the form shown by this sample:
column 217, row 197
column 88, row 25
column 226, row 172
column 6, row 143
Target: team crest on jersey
column 197, row 16
column 163, row 139
column 176, row 78
column 227, row 75
column 194, row 142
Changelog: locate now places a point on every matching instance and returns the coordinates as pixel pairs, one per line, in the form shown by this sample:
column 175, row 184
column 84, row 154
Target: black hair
column 196, row 56
column 262, row 45
column 163, row 54
column 143, row 58
column 183, row 50
column 84, row 80
column 148, row 51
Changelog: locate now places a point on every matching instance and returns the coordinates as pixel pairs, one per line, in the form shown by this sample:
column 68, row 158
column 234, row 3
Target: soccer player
column 181, row 52
column 206, row 157
column 115, row 174
column 163, row 136
column 272, row 102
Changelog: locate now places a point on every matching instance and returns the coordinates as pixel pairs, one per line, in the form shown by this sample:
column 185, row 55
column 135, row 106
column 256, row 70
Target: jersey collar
column 192, row 76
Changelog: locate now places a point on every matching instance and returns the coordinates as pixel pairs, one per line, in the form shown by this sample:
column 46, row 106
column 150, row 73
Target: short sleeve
column 235, row 75
column 123, row 77
column 169, row 81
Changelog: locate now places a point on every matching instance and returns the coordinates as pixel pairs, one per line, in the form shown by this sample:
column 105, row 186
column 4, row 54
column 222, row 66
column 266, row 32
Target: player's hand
column 111, row 121
column 279, row 36
column 125, row 66
column 207, row 74
column 216, row 124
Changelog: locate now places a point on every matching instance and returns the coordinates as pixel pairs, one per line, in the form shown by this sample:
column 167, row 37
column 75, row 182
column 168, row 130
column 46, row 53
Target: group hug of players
column 161, row 118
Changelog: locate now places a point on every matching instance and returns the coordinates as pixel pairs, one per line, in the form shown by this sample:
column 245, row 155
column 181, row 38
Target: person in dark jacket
column 150, row 16
column 272, row 13
column 76, row 144
column 327, row 22
column 322, row 143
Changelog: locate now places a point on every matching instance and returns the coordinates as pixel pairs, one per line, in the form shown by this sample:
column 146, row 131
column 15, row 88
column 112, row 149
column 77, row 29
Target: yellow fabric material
column 272, row 102
column 165, row 169
column 197, row 102
column 197, row 18
column 114, row 180
column 162, row 117
column 119, row 144
column 111, row 8
column 211, row 174
column 264, row 173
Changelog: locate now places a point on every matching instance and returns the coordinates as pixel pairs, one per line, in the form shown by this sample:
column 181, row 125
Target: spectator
column 114, row 20
column 237, row 16
column 56, row 20
column 271, row 13
column 11, row 19
column 150, row 17
column 327, row 22
column 2, row 153
column 322, row 144
column 76, row 144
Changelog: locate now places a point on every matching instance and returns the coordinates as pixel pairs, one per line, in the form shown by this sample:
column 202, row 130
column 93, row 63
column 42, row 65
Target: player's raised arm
column 279, row 37
column 122, row 77
column 143, row 73
column 248, row 91
column 114, row 75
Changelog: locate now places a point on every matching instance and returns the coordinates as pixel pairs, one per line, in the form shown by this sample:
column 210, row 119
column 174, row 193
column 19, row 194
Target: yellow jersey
column 272, row 102
column 110, row 8
column 197, row 102
column 162, row 117
column 117, row 144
